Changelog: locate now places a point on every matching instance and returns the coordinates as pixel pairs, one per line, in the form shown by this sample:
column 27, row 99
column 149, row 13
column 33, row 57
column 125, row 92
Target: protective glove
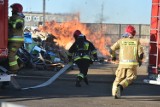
column 91, row 62
column 19, row 25
column 140, row 63
column 95, row 59
column 69, row 58
column 140, row 59
column 114, row 58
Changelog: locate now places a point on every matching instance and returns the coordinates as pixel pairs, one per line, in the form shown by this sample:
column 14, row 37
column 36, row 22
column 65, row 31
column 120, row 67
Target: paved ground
column 63, row 93
column 104, row 71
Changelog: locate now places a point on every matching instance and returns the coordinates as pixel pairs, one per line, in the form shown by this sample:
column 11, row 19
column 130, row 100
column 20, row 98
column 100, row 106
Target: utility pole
column 101, row 18
column 44, row 9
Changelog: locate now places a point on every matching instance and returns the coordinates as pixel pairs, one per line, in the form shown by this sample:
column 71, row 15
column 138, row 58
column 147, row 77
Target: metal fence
column 114, row 31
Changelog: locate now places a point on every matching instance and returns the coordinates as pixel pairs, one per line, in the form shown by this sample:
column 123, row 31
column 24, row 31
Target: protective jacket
column 129, row 52
column 87, row 51
column 16, row 25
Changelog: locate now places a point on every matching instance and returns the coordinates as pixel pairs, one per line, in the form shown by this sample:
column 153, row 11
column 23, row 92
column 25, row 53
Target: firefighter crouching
column 81, row 52
column 130, row 55
column 15, row 39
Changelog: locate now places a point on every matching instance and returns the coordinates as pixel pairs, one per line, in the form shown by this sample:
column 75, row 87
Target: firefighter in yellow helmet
column 15, row 39
column 130, row 55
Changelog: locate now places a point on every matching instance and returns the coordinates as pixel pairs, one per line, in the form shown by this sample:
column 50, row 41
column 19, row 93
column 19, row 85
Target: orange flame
column 64, row 34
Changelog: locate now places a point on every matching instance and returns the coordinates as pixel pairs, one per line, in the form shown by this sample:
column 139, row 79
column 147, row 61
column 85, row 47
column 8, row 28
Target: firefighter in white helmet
column 130, row 55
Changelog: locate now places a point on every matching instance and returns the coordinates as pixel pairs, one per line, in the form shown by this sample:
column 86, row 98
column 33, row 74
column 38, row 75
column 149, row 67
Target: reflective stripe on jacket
column 13, row 20
column 16, row 39
column 83, row 57
column 87, row 51
column 84, row 54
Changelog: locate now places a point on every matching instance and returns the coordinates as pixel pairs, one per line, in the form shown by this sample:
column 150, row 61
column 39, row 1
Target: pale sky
column 96, row 11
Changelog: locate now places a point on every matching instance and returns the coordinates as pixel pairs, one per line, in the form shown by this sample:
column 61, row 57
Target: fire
column 64, row 34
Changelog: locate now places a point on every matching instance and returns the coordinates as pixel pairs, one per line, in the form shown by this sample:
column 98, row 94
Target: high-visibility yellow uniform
column 129, row 53
column 15, row 40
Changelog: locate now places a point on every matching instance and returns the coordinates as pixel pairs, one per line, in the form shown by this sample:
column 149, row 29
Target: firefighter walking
column 81, row 52
column 15, row 39
column 130, row 55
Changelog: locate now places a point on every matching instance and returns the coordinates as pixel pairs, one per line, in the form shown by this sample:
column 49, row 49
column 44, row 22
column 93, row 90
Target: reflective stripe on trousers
column 80, row 75
column 13, row 49
column 13, row 63
column 126, row 83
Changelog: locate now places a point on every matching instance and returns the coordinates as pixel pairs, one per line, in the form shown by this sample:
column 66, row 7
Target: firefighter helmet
column 17, row 8
column 130, row 29
column 76, row 34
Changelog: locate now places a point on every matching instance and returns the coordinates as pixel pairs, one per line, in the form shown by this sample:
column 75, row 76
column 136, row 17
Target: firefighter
column 130, row 55
column 15, row 39
column 82, row 52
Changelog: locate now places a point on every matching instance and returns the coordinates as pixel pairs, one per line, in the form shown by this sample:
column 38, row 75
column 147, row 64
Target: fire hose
column 52, row 79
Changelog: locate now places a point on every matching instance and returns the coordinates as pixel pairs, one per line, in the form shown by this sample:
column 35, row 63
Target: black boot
column 121, row 87
column 78, row 80
column 86, row 80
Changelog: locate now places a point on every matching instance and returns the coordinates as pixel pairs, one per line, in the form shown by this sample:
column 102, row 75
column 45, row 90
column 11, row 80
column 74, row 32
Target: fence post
column 119, row 30
column 140, row 30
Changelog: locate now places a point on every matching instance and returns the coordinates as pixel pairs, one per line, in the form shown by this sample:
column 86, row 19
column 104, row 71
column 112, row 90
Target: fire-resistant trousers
column 83, row 65
column 124, row 77
column 12, row 50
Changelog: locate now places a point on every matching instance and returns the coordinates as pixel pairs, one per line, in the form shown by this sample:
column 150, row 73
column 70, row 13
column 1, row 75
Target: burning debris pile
column 64, row 31
column 54, row 39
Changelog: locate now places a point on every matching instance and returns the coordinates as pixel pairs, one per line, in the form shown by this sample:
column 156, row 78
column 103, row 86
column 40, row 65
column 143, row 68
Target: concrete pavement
column 98, row 72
